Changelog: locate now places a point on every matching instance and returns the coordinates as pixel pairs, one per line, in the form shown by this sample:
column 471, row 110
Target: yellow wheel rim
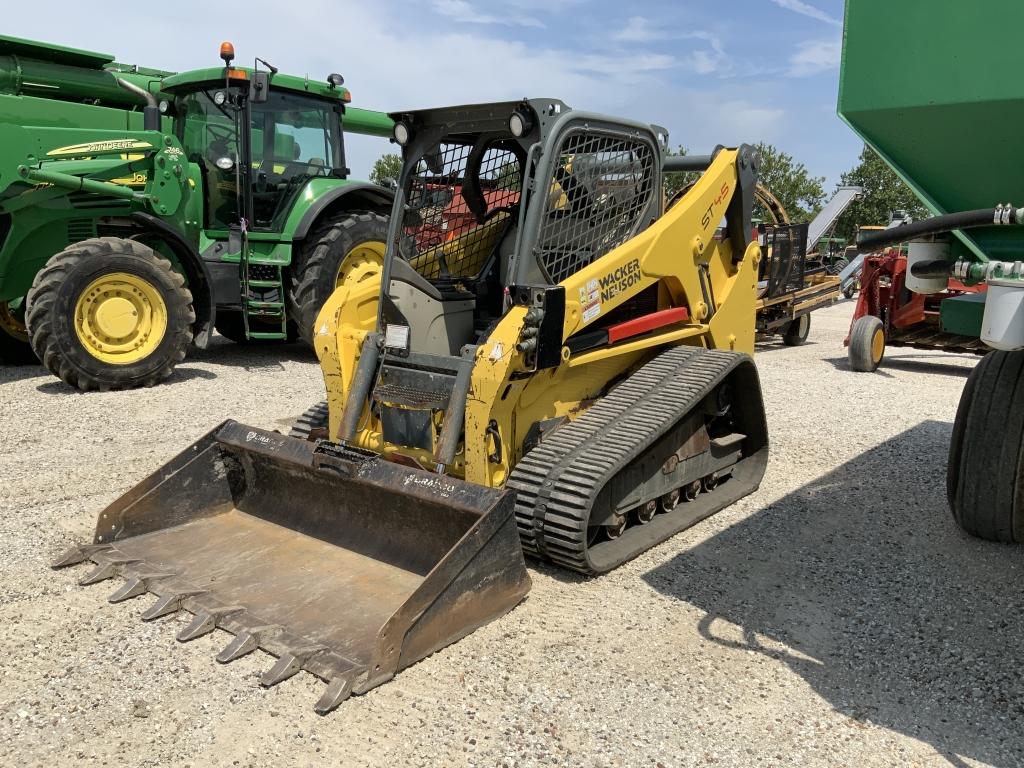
column 120, row 318
column 877, row 346
column 363, row 262
column 10, row 324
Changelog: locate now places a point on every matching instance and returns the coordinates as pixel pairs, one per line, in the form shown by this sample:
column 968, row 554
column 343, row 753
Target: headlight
column 520, row 123
column 225, row 163
column 219, row 98
column 164, row 106
column 402, row 133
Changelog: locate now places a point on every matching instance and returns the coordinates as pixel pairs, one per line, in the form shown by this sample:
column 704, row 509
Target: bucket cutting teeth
column 206, row 621
column 339, row 689
column 135, row 586
column 170, row 603
column 245, row 642
column 79, row 554
column 107, row 567
column 289, row 664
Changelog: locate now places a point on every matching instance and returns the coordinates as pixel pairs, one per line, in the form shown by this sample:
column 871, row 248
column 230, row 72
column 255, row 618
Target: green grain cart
column 932, row 87
column 139, row 210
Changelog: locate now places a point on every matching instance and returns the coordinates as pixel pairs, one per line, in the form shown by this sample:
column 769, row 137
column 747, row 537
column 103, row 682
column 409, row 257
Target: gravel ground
column 835, row 617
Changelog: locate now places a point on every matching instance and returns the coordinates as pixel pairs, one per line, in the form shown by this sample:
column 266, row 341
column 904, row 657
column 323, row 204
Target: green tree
column 801, row 194
column 386, row 170
column 884, row 192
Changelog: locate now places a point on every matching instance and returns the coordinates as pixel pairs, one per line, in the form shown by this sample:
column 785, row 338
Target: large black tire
column 795, row 332
column 14, row 346
column 314, row 418
column 985, row 474
column 319, row 261
column 867, row 344
column 55, row 293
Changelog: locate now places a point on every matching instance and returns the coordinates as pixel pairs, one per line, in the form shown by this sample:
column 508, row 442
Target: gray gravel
column 835, row 617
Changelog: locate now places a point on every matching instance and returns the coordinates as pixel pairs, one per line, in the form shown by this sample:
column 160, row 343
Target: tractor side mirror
column 259, row 87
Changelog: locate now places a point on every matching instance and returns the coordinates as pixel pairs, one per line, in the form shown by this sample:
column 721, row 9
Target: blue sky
column 712, row 72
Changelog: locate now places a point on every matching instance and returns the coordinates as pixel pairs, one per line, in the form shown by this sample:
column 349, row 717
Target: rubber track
column 315, row 417
column 558, row 481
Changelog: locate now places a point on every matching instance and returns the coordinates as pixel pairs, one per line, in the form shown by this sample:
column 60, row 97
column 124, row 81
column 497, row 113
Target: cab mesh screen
column 454, row 223
column 600, row 189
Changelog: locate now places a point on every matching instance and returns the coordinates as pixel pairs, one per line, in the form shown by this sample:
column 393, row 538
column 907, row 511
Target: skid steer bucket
column 329, row 558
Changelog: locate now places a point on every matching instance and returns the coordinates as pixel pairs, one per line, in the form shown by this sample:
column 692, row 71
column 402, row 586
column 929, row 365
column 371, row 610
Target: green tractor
column 228, row 208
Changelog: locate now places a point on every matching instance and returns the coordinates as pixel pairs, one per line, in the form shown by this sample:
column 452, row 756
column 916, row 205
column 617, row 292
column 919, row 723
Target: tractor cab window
column 207, row 127
column 294, row 138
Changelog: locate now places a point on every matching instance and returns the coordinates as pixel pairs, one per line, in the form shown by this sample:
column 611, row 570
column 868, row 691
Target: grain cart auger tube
column 568, row 361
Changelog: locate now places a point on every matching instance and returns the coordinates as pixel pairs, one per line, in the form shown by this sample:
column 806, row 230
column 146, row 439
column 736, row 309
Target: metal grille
column 784, row 267
column 601, row 187
column 457, row 214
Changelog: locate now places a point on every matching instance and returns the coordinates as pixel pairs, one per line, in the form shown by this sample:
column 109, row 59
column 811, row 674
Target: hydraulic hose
column 981, row 217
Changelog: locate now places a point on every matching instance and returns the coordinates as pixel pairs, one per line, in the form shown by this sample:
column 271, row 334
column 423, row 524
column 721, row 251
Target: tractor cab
column 257, row 137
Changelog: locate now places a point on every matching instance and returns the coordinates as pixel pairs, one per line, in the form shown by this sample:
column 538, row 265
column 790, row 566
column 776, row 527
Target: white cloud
column 637, row 30
column 814, row 56
column 462, row 11
column 806, row 9
column 711, row 60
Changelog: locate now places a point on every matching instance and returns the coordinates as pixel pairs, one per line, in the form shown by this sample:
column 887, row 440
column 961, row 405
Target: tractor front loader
column 565, row 374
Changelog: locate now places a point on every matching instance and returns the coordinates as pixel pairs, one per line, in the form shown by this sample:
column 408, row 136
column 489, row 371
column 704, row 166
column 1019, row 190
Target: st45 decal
column 708, row 216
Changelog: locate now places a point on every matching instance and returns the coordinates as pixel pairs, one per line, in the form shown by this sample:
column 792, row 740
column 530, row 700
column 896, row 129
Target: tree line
column 801, row 194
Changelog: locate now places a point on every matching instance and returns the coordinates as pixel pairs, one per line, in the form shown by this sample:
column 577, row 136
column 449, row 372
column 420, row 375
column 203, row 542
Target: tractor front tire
column 867, row 344
column 837, row 266
column 14, row 346
column 985, row 473
column 795, row 332
column 108, row 314
column 346, row 249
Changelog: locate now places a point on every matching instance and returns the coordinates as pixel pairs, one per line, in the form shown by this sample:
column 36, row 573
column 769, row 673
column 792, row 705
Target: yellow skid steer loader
column 549, row 363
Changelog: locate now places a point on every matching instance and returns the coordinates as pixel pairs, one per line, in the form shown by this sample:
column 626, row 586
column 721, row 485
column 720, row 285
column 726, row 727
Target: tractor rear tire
column 985, row 473
column 314, row 418
column 795, row 332
column 108, row 314
column 346, row 248
column 14, row 346
column 867, row 344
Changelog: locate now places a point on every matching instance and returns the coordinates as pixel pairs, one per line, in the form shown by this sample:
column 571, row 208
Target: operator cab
column 476, row 216
column 258, row 138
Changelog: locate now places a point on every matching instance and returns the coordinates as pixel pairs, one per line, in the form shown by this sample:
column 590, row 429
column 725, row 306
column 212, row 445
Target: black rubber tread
column 318, row 260
column 985, row 473
column 793, row 335
column 558, row 482
column 837, row 266
column 315, row 417
column 859, row 352
column 50, row 309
